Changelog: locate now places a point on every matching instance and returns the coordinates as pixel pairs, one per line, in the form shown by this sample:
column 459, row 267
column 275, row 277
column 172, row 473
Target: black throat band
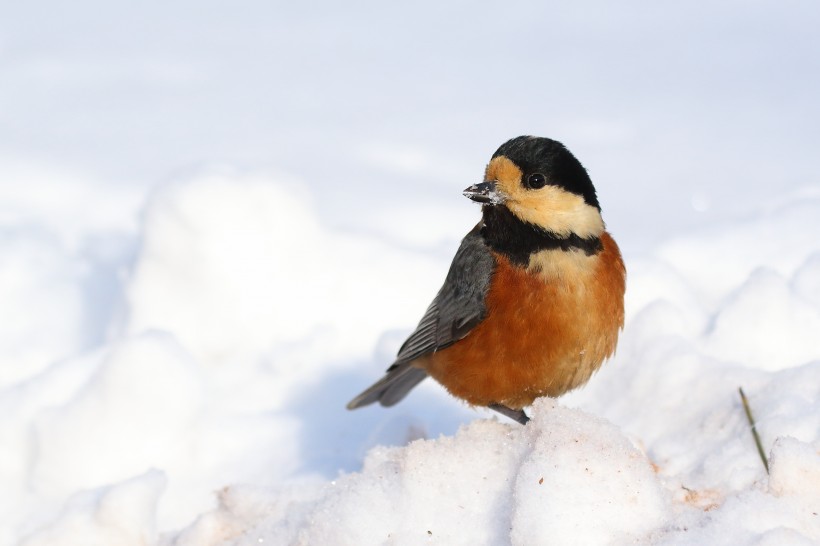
column 507, row 234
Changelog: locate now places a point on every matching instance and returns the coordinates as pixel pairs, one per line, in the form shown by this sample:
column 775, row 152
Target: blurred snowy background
column 218, row 221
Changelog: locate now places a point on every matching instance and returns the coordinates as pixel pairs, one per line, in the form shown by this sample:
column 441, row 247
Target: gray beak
column 485, row 192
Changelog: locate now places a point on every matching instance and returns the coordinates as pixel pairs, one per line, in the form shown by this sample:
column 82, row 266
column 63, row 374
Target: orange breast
column 548, row 328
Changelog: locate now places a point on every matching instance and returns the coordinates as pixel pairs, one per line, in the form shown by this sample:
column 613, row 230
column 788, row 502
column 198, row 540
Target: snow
column 217, row 226
column 123, row 513
column 488, row 484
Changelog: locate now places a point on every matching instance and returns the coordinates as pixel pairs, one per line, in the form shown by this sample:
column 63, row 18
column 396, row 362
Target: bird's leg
column 515, row 415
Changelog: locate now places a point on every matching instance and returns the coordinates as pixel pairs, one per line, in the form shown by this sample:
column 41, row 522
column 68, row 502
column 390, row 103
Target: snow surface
column 218, row 225
column 239, row 347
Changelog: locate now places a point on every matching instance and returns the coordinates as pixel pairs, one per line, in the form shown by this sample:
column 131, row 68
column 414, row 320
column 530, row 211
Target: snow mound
column 37, row 273
column 123, row 514
column 135, row 407
column 566, row 474
column 246, row 324
column 238, row 266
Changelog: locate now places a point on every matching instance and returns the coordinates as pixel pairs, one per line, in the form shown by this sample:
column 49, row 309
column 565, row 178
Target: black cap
column 553, row 160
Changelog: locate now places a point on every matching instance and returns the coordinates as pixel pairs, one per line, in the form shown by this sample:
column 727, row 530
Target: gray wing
column 459, row 305
column 457, row 308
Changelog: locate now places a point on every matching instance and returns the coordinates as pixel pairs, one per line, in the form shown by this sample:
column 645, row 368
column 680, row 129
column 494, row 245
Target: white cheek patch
column 552, row 208
column 557, row 210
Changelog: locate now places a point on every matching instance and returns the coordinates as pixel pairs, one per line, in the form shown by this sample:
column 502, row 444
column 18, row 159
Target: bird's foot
column 515, row 415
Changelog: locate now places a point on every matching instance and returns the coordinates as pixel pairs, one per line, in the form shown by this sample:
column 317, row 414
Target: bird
column 533, row 302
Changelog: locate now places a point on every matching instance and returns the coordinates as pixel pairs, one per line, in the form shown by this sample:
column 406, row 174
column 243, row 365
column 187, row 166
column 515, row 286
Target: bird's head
column 542, row 185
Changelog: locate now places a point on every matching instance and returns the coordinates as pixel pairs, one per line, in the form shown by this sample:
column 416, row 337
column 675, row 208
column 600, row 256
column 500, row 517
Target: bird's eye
column 536, row 180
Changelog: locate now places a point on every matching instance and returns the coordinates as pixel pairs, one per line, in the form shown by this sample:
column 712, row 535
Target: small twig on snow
column 754, row 429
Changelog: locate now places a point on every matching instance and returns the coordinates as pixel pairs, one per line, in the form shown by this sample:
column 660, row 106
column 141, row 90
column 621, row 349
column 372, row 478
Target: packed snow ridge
column 199, row 398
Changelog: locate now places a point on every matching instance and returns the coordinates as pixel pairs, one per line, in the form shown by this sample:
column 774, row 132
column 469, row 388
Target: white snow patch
column 567, row 476
column 42, row 300
column 123, row 514
column 239, row 265
column 136, row 407
column 248, row 325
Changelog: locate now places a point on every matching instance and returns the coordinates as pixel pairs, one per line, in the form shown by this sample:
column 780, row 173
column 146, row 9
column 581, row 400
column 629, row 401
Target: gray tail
column 391, row 388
